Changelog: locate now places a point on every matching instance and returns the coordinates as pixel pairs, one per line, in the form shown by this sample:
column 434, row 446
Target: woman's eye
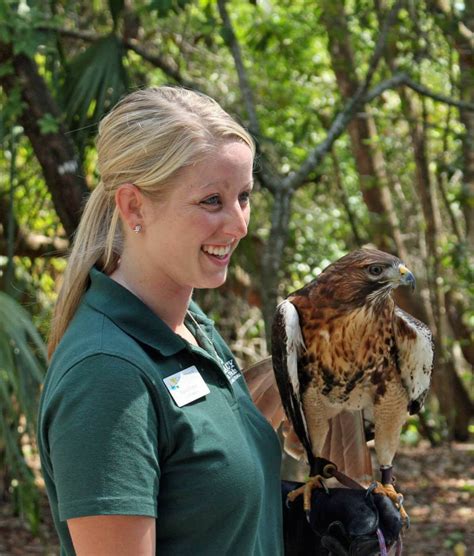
column 244, row 197
column 376, row 269
column 212, row 201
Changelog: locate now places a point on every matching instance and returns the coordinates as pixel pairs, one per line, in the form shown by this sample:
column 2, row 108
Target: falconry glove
column 342, row 522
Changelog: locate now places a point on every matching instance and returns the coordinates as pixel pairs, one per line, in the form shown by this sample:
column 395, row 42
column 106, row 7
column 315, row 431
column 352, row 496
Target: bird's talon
column 293, row 495
column 323, row 484
column 307, row 514
column 305, row 490
column 396, row 498
column 371, row 488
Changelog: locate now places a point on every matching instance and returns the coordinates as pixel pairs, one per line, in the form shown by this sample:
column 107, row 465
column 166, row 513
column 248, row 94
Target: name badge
column 186, row 386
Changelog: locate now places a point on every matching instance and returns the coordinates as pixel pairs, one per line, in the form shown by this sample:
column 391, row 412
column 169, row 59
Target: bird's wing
column 415, row 357
column 287, row 349
column 260, row 380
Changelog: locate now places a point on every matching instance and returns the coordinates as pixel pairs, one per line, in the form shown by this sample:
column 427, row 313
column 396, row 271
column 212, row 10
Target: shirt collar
column 131, row 315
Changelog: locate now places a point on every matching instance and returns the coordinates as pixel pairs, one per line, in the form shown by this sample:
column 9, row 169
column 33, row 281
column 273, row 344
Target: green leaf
column 96, row 79
column 48, row 124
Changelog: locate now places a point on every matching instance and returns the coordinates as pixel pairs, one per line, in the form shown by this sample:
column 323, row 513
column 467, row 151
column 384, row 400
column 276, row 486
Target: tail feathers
column 345, row 446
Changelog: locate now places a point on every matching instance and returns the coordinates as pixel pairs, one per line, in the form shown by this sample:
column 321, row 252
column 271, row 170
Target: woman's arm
column 113, row 535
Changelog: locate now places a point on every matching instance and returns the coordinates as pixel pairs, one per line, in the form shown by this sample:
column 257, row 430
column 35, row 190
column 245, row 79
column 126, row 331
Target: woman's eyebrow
column 219, row 182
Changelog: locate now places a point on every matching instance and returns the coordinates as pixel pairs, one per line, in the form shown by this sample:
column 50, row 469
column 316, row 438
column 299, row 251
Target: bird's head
column 363, row 276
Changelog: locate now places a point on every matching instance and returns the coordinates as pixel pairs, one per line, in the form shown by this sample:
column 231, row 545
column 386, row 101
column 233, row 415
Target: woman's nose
column 237, row 221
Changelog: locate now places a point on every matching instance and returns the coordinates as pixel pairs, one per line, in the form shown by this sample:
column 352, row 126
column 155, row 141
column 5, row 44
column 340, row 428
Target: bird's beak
column 406, row 277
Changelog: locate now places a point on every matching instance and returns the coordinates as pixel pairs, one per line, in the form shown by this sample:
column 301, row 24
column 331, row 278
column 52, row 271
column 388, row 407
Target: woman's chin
column 215, row 281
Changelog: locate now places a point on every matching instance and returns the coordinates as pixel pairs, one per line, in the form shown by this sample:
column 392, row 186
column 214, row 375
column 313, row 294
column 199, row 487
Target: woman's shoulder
column 94, row 346
column 92, row 333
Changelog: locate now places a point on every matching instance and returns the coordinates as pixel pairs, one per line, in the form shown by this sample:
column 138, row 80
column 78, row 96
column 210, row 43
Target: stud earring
column 138, row 228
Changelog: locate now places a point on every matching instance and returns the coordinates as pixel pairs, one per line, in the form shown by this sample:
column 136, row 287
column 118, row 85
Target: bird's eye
column 376, row 269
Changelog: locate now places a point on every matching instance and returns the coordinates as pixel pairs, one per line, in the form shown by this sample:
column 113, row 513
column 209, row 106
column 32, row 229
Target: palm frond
column 96, row 79
column 22, row 368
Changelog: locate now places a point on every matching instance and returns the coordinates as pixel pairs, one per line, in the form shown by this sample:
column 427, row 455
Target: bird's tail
column 346, row 446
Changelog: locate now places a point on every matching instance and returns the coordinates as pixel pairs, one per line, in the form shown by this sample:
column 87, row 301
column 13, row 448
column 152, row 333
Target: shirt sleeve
column 103, row 436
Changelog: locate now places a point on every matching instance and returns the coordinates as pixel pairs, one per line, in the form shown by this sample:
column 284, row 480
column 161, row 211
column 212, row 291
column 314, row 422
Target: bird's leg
column 319, row 415
column 389, row 417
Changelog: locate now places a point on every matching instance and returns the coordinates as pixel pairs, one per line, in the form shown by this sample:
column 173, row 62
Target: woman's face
column 188, row 238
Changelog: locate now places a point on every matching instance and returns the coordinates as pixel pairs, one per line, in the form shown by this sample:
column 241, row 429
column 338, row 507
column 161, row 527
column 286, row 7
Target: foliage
column 95, row 81
column 22, row 367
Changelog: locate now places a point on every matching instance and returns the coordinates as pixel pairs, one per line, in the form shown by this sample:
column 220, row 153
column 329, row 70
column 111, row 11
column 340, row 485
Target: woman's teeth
column 216, row 251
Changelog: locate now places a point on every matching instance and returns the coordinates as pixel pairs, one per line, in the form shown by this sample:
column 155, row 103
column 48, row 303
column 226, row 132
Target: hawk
column 340, row 343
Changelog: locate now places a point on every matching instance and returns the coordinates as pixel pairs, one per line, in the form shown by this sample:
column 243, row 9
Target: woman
column 149, row 440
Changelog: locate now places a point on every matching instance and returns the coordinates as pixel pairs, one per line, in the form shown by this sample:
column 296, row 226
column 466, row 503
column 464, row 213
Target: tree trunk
column 455, row 308
column 459, row 33
column 54, row 151
column 368, row 157
column 357, row 241
column 273, row 255
column 454, row 401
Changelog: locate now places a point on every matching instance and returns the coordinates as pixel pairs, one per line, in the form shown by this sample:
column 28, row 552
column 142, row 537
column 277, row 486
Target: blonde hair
column 145, row 140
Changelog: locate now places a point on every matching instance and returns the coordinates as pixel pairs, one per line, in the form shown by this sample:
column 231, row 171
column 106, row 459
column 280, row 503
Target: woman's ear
column 129, row 201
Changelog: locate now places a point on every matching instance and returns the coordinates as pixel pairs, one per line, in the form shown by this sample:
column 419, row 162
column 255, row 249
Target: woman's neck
column 170, row 304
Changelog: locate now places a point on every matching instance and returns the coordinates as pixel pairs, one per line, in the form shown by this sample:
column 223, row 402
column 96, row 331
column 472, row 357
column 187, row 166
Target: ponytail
column 98, row 241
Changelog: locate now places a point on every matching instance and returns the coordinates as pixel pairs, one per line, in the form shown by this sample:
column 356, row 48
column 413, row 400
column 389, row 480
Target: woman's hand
column 113, row 535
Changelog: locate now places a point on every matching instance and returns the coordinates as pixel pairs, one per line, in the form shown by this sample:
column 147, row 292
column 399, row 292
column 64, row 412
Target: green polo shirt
column 112, row 439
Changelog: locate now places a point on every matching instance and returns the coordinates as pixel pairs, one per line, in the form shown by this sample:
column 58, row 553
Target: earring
column 138, row 228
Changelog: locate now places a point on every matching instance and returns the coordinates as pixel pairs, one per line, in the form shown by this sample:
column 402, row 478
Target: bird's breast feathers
column 350, row 358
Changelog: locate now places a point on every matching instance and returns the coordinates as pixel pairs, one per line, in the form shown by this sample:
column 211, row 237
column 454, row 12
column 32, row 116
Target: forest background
column 363, row 114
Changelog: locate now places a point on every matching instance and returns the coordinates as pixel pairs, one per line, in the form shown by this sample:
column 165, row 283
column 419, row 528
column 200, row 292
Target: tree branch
column 267, row 176
column 159, row 62
column 403, row 79
column 296, row 179
column 36, row 245
column 28, row 244
column 245, row 88
column 129, row 44
column 422, row 90
column 390, row 83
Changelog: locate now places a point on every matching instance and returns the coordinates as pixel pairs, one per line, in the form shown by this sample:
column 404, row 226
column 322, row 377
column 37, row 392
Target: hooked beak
column 406, row 277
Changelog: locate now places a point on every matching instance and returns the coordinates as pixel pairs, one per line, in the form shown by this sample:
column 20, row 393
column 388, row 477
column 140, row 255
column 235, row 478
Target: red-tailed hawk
column 340, row 343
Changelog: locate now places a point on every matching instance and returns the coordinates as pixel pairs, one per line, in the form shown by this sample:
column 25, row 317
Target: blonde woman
column 149, row 440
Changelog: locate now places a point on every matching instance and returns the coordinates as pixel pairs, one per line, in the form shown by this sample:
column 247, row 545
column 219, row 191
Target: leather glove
column 342, row 522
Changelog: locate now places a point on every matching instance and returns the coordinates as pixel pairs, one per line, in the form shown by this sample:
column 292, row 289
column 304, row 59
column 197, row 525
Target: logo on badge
column 173, row 382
